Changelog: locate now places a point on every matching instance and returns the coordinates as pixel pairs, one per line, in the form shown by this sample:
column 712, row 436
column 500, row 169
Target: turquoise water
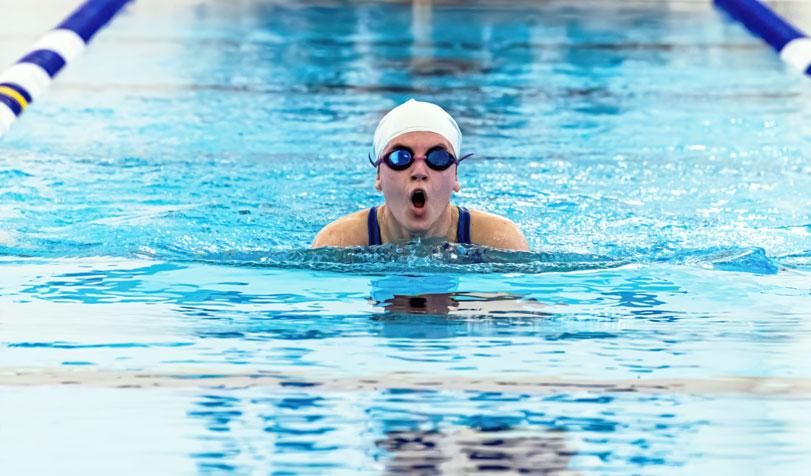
column 161, row 311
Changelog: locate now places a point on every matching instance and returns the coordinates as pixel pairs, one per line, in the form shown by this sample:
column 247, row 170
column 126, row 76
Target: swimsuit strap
column 373, row 227
column 463, row 227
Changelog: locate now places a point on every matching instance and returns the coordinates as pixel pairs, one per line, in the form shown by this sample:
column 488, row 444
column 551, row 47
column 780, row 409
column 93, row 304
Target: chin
column 420, row 225
column 417, row 226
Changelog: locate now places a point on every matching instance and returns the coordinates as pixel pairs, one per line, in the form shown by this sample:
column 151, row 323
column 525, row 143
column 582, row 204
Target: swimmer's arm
column 349, row 230
column 496, row 232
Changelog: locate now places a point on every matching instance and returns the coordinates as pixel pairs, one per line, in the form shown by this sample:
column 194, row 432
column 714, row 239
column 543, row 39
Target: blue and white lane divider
column 793, row 45
column 26, row 80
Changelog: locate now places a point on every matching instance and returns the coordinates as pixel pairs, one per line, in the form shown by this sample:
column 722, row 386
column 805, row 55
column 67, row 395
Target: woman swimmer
column 416, row 147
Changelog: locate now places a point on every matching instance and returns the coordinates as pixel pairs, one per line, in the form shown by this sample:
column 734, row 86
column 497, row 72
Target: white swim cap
column 413, row 116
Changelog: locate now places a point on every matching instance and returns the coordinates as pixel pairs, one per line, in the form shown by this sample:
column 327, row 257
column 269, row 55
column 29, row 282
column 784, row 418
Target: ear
column 456, row 186
column 378, row 184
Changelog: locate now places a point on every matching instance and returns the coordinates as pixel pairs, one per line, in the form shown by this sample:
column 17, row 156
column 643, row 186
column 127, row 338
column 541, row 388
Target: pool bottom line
column 753, row 386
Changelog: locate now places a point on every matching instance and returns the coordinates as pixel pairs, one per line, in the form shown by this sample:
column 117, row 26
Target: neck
column 391, row 230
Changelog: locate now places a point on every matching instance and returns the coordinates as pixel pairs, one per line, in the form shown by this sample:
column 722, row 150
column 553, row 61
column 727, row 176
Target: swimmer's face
column 400, row 188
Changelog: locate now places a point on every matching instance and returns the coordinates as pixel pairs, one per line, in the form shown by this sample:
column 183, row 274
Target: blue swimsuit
column 462, row 228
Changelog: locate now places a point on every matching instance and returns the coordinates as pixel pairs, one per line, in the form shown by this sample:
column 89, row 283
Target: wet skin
column 402, row 218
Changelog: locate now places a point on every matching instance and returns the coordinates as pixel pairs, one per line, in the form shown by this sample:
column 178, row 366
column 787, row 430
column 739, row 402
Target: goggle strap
column 375, row 163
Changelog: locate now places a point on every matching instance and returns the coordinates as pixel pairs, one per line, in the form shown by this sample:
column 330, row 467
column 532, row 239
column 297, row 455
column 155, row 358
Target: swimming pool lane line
column 793, row 45
column 26, row 80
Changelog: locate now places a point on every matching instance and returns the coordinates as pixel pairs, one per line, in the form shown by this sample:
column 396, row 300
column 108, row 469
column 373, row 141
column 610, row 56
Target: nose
column 419, row 170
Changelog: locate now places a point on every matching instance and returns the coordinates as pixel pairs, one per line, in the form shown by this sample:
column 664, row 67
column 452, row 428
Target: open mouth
column 418, row 198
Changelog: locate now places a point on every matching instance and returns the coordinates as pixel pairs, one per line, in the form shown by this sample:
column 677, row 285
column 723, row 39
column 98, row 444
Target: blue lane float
column 26, row 80
column 793, row 45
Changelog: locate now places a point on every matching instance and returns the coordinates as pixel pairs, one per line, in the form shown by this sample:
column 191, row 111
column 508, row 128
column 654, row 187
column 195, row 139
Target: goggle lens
column 400, row 159
column 439, row 159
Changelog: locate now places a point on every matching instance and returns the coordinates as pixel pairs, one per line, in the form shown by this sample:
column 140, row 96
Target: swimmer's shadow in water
column 462, row 305
column 476, row 451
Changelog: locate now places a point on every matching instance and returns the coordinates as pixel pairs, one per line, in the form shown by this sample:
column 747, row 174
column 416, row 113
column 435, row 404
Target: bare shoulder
column 349, row 230
column 496, row 232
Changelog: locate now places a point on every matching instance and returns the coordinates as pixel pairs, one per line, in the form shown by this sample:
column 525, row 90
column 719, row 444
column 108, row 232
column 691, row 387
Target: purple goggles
column 437, row 158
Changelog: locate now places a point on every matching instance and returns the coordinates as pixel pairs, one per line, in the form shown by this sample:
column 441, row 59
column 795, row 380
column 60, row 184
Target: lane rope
column 793, row 45
column 27, row 79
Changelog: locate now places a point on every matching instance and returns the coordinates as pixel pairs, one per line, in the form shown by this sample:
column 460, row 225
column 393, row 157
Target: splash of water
column 437, row 256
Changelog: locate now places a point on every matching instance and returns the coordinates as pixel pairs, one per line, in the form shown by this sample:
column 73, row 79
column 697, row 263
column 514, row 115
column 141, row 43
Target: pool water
column 161, row 311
